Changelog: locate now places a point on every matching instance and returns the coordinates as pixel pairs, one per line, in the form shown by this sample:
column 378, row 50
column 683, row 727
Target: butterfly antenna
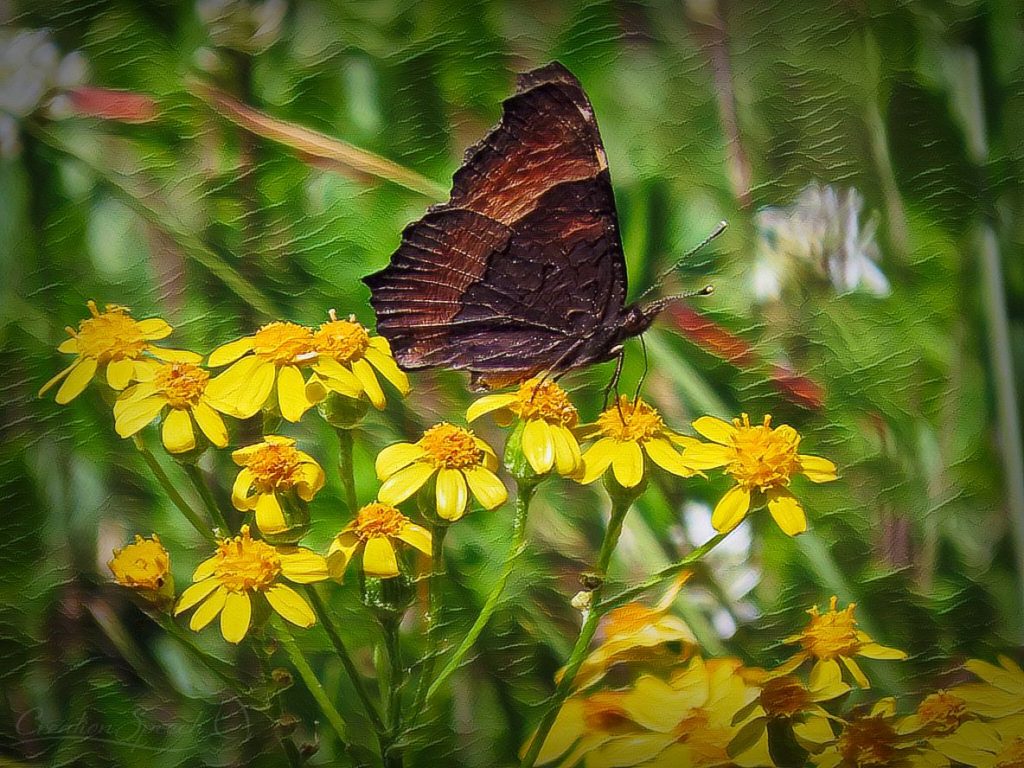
column 706, row 290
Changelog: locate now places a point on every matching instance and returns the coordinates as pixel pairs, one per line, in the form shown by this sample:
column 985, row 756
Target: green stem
column 622, row 500
column 435, row 603
column 305, row 671
column 346, row 468
column 392, row 689
column 203, row 489
column 523, row 498
column 346, row 660
column 172, row 492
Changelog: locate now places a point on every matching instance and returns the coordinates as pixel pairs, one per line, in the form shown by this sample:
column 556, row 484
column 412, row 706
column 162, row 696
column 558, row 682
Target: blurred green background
column 709, row 111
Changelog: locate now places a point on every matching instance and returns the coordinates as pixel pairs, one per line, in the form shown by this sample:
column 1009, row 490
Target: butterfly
column 522, row 270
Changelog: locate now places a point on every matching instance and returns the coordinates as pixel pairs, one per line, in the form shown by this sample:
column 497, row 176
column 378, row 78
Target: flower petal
column 817, row 469
column 628, row 465
column 597, row 458
column 153, row 328
column 379, row 558
column 78, row 378
column 488, row 404
column 241, row 491
column 195, row 594
column 707, row 456
column 858, row 675
column 416, row 536
column 206, row 569
column 269, row 515
column 119, row 373
column 405, row 482
column 175, row 355
column 538, row 446
column 235, row 618
column 291, row 393
column 451, row 493
column 731, row 509
column 228, row 353
column 568, row 459
column 177, row 433
column 242, row 389
column 395, row 457
column 486, row 487
column 301, row 565
column 69, row 346
column 715, row 430
column 869, row 649
column 290, row 605
column 665, row 456
column 208, row 611
column 388, row 369
column 339, row 555
column 211, row 424
column 368, row 379
column 134, row 415
column 338, row 378
column 46, row 387
column 787, row 512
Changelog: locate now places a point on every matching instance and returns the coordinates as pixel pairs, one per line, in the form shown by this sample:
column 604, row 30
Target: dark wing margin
column 524, row 262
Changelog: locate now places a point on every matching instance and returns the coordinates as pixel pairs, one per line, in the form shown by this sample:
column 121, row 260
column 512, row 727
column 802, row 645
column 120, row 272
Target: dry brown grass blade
column 315, row 145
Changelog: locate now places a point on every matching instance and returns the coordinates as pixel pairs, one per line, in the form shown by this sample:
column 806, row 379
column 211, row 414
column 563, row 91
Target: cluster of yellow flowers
column 646, row 697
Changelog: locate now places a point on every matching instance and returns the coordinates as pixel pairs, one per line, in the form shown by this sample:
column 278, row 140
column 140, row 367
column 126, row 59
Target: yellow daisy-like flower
column 999, row 744
column 462, row 462
column 271, row 470
column 144, row 566
column 938, row 714
column 761, row 460
column 1000, row 692
column 374, row 530
column 179, row 391
column 832, row 637
column 628, row 430
column 548, row 421
column 347, row 357
column 274, row 354
column 244, row 566
column 114, row 340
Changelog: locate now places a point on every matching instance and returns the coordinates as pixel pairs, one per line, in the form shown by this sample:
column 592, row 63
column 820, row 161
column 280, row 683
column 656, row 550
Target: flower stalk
column 176, row 498
column 346, row 468
column 203, row 489
column 524, row 495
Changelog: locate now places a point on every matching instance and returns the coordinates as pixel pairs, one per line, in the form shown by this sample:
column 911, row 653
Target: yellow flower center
column 708, row 743
column 1011, row 756
column 632, row 422
column 344, row 340
column 943, row 712
column 274, row 467
column 764, row 457
column 182, row 384
column 450, row 447
column 378, row 520
column 831, row 634
column 869, row 741
column 245, row 563
column 784, row 697
column 110, row 335
column 603, row 713
column 546, row 401
column 284, row 343
column 141, row 565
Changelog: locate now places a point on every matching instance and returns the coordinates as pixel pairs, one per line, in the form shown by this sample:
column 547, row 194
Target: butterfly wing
column 522, row 269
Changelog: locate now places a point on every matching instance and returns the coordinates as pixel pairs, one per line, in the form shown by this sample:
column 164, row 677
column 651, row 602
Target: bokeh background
column 881, row 313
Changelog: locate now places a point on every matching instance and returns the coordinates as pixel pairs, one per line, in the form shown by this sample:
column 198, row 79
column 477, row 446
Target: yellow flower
column 271, row 470
column 275, row 353
column 144, row 566
column 871, row 740
column 999, row 744
column 637, row 633
column 463, row 464
column 373, row 531
column 628, row 430
column 548, row 420
column 179, row 389
column 834, row 635
column 112, row 339
column 241, row 567
column 938, row 713
column 1001, row 692
column 761, row 460
column 584, row 724
column 347, row 356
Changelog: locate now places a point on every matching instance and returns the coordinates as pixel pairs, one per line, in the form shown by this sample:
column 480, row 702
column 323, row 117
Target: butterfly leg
column 613, row 383
column 643, row 376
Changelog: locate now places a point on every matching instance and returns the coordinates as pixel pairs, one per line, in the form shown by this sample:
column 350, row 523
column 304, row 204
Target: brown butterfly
column 522, row 270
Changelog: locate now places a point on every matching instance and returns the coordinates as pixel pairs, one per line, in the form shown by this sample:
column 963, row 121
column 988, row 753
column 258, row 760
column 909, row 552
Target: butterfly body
column 522, row 270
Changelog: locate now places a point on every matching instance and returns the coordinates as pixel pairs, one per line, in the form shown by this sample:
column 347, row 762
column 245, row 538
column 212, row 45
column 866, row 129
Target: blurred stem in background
column 206, row 494
column 172, row 493
column 346, row 469
column 524, row 495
